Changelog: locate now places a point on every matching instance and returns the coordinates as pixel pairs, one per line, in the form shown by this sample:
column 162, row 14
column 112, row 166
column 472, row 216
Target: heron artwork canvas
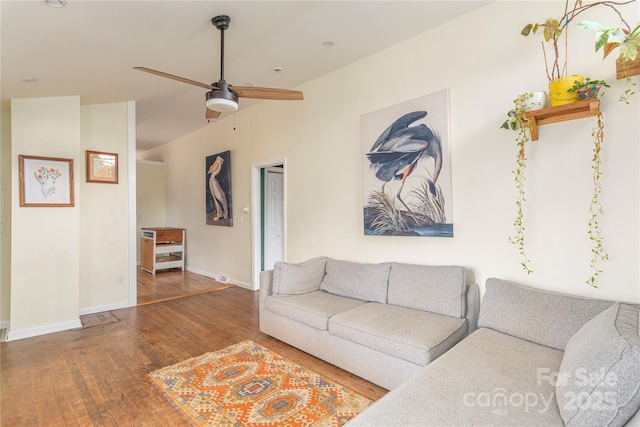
column 407, row 169
column 218, row 189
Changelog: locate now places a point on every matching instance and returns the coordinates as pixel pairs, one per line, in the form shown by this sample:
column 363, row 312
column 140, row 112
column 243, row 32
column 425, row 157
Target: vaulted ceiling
column 88, row 48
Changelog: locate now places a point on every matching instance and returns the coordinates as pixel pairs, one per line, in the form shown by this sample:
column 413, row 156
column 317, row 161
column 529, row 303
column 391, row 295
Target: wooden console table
column 161, row 248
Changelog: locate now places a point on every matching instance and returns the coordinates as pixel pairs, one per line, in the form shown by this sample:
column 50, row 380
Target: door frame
column 256, row 216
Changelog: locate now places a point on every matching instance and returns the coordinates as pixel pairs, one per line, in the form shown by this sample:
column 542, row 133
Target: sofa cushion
column 313, row 308
column 439, row 289
column 543, row 317
column 599, row 378
column 367, row 282
column 488, row 379
column 295, row 279
column 413, row 335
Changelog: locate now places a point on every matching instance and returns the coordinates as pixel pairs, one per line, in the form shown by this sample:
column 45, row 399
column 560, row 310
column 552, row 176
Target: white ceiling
column 88, row 48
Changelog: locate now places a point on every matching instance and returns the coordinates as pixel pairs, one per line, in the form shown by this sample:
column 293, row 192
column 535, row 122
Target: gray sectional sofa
column 538, row 359
column 383, row 322
column 533, row 357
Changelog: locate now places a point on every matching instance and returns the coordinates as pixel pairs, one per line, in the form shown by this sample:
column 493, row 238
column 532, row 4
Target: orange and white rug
column 248, row 385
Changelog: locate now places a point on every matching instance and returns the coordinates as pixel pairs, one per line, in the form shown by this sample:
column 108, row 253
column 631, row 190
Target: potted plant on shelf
column 552, row 31
column 610, row 39
column 588, row 88
column 625, row 39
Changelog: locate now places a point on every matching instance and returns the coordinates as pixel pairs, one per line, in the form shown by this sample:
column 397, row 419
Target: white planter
column 537, row 101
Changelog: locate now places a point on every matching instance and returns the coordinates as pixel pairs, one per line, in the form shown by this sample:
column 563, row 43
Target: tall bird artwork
column 219, row 199
column 397, row 151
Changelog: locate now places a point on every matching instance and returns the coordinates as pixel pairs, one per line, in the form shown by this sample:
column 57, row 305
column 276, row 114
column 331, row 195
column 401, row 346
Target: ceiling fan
column 222, row 96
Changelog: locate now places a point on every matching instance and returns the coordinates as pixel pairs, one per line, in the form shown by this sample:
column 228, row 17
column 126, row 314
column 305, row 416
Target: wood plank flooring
column 172, row 284
column 95, row 376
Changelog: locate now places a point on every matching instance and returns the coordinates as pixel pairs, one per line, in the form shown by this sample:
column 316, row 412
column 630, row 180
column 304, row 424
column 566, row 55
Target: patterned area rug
column 247, row 385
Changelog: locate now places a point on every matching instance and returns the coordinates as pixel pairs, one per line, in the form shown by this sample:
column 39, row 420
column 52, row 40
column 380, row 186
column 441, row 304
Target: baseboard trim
column 200, row 272
column 102, row 308
column 242, row 285
column 4, row 324
column 213, row 276
column 42, row 330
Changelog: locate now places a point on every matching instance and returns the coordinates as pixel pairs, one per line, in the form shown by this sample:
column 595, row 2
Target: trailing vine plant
column 517, row 122
column 595, row 209
column 629, row 91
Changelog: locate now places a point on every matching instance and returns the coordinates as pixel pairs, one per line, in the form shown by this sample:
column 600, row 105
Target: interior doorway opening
column 269, row 216
column 272, row 219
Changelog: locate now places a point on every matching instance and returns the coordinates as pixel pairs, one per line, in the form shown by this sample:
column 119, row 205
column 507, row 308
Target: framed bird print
column 406, row 168
column 218, row 189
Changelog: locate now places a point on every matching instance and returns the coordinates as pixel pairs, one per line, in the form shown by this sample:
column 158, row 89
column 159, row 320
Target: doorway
column 272, row 219
column 268, row 188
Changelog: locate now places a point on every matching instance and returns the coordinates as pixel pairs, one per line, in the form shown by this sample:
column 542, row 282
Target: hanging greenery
column 629, row 91
column 517, row 122
column 595, row 209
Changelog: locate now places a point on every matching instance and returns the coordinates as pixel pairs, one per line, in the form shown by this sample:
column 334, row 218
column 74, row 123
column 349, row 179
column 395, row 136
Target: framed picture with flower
column 102, row 167
column 46, row 181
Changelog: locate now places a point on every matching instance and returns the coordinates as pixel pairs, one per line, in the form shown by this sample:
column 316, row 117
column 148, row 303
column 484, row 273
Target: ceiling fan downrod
column 221, row 22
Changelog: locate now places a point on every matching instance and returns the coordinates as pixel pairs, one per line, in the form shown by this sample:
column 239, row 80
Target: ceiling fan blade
column 212, row 114
column 267, row 93
column 172, row 77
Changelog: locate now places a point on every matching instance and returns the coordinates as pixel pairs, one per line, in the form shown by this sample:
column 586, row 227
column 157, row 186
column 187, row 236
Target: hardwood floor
column 172, row 284
column 95, row 376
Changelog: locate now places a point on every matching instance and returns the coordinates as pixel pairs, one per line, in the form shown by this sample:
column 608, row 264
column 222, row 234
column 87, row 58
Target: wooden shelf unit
column 162, row 248
column 561, row 113
column 626, row 69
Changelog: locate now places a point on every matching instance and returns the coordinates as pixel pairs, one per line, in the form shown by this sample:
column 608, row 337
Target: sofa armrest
column 473, row 307
column 266, row 285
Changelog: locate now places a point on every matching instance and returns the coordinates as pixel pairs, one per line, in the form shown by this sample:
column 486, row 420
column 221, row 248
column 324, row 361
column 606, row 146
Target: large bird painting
column 218, row 189
column 406, row 169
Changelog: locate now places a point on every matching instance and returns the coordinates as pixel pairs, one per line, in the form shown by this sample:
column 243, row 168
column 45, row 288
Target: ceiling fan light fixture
column 223, row 98
column 55, row 3
column 225, row 102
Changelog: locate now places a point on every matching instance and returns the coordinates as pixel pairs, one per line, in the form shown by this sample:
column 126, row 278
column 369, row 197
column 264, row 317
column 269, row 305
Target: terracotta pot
column 558, row 90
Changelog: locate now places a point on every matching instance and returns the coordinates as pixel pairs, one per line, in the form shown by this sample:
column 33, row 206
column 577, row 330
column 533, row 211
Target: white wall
column 104, row 210
column 150, row 199
column 65, row 261
column 485, row 63
column 44, row 240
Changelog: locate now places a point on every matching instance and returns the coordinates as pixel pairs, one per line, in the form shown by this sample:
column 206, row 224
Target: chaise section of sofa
column 538, row 359
column 382, row 322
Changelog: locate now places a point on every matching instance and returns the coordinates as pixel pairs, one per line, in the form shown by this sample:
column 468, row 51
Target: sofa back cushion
column 599, row 379
column 296, row 279
column 438, row 289
column 367, row 282
column 543, row 317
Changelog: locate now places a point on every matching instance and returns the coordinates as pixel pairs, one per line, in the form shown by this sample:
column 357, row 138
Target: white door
column 273, row 217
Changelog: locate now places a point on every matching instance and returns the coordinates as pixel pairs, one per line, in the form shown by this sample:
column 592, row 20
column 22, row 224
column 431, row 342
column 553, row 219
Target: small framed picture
column 102, row 167
column 46, row 181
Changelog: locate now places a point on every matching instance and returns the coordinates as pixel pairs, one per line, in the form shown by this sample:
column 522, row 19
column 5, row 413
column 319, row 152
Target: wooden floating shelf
column 561, row 113
column 627, row 68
